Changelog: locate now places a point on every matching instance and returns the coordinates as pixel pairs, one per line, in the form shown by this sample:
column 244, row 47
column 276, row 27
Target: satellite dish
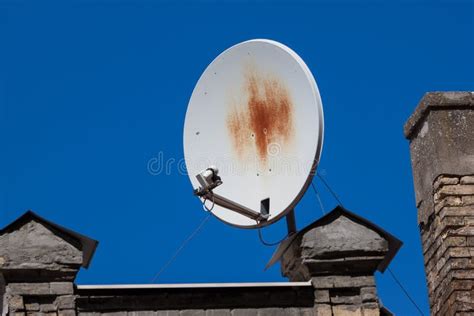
column 253, row 133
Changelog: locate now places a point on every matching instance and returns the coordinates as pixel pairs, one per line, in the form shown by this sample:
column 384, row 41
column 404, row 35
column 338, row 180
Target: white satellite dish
column 255, row 115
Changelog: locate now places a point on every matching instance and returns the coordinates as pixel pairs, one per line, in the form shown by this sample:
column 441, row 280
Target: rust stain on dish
column 266, row 118
column 239, row 130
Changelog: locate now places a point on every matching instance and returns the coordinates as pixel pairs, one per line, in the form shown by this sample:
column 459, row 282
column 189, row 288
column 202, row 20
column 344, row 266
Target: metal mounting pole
column 291, row 222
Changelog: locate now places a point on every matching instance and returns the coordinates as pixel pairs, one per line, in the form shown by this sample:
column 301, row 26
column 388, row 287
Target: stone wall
column 218, row 300
column 213, row 312
column 64, row 299
column 448, row 246
column 55, row 298
column 346, row 295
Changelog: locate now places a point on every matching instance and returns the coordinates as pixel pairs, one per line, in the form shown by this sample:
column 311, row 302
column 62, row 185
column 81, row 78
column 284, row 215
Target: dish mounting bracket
column 239, row 208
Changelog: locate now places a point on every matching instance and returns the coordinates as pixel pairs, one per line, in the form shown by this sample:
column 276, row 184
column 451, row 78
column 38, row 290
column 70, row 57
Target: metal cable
column 185, row 242
column 405, row 291
column 270, row 244
column 319, row 198
column 330, row 190
column 204, row 204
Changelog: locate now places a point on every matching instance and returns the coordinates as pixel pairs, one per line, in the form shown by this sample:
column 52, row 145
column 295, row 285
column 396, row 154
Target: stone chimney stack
column 340, row 253
column 441, row 135
column 39, row 261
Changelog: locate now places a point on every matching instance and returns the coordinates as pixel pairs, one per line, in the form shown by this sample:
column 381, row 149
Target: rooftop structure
column 330, row 265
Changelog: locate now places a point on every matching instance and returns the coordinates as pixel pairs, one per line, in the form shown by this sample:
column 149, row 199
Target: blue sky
column 90, row 91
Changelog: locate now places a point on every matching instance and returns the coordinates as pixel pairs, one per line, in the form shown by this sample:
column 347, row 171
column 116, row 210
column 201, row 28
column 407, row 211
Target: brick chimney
column 340, row 253
column 441, row 135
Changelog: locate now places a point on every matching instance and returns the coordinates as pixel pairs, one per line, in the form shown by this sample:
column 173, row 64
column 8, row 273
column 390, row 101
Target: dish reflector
column 256, row 115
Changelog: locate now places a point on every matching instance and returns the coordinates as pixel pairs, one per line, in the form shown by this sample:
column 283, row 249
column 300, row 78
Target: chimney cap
column 394, row 243
column 85, row 244
column 436, row 101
